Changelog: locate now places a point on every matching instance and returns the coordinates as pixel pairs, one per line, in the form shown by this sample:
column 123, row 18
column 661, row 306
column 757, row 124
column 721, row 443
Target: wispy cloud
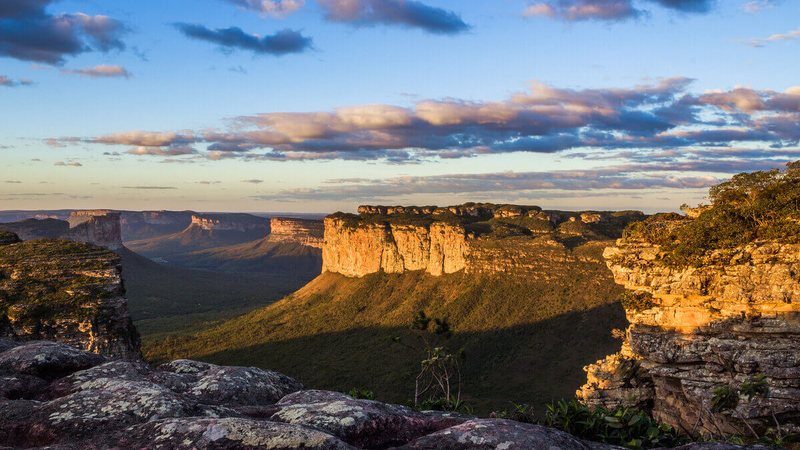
column 755, row 6
column 608, row 10
column 778, row 37
column 101, row 71
column 281, row 43
column 275, row 8
column 253, row 181
column 149, row 188
column 8, row 82
column 68, row 164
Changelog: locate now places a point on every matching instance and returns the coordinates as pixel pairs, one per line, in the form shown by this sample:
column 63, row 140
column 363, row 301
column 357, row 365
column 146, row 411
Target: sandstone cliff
column 95, row 227
column 303, row 231
column 476, row 238
column 692, row 329
column 230, row 222
column 65, row 291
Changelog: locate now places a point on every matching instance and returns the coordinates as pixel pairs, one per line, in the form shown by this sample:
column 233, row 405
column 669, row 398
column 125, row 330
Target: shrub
column 364, row 394
column 628, row 427
column 637, row 301
column 748, row 207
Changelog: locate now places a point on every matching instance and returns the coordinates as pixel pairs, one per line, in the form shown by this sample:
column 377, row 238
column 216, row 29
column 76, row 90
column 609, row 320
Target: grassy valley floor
column 526, row 337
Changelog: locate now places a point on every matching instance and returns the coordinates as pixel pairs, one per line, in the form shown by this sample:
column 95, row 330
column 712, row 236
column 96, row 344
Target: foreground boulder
column 364, row 423
column 491, row 434
column 55, row 396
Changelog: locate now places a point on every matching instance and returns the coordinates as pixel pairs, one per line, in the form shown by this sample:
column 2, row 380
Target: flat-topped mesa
column 230, row 222
column 302, row 231
column 476, row 238
column 733, row 314
column 95, row 228
column 68, row 292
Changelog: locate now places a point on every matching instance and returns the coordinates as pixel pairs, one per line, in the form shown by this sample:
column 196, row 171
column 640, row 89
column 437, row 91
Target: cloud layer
column 281, row 43
column 29, row 33
column 645, row 119
column 608, row 10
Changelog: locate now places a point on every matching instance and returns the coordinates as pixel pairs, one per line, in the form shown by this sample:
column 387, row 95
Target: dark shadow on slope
column 532, row 364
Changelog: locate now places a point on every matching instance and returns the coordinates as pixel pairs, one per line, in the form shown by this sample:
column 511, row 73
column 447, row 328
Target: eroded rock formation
column 54, row 395
column 735, row 315
column 68, row 292
column 96, row 227
column 302, row 231
column 230, row 222
column 476, row 238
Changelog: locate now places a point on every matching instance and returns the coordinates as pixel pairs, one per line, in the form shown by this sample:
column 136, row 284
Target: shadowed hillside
column 262, row 255
column 526, row 338
column 165, row 299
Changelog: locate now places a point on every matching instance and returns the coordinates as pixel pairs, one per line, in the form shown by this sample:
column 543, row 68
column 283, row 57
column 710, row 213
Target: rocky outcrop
column 302, row 231
column 355, row 251
column 476, row 238
column 94, row 227
column 692, row 329
column 68, row 292
column 230, row 222
column 66, row 398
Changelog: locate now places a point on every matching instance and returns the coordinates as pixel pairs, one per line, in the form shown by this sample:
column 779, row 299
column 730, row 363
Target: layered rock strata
column 230, row 222
column 693, row 329
column 302, row 231
column 100, row 229
column 476, row 238
column 68, row 292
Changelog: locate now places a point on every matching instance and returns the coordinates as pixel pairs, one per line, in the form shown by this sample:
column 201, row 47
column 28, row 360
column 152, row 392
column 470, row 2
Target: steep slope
column 65, row 291
column 205, row 231
column 714, row 305
column 526, row 336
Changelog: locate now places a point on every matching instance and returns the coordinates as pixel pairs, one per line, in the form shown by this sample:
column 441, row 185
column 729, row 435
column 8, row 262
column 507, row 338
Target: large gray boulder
column 363, row 423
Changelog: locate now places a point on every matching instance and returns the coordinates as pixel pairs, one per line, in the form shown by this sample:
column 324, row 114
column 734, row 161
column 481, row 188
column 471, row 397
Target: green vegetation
column 727, row 398
column 438, row 383
column 164, row 300
column 751, row 206
column 637, row 300
column 627, row 427
column 518, row 332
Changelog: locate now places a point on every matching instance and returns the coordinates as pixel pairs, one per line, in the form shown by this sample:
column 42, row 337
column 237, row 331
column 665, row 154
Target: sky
column 322, row 105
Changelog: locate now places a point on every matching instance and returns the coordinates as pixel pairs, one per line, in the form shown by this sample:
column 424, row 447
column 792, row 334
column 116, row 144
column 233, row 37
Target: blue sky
column 388, row 108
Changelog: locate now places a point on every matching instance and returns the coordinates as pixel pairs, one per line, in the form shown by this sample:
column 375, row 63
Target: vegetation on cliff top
column 53, row 279
column 753, row 206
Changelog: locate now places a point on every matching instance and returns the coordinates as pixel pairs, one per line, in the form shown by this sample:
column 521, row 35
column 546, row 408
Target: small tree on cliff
column 438, row 383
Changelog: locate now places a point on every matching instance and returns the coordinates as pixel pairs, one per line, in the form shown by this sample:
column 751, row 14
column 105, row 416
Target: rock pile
column 55, row 395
